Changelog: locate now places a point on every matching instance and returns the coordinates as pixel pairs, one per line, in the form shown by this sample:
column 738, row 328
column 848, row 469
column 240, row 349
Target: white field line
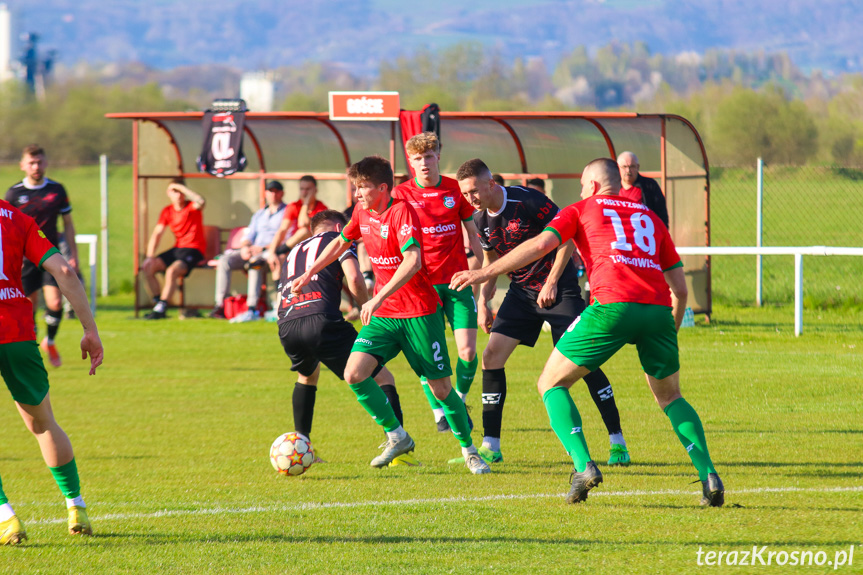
column 403, row 502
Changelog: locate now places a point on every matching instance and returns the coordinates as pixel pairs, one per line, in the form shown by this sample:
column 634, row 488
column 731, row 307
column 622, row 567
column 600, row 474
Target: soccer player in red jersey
column 402, row 316
column 631, row 263
column 183, row 217
column 443, row 212
column 21, row 364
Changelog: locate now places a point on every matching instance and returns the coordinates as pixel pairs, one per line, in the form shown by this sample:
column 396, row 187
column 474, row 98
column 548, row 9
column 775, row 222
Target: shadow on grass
column 615, row 541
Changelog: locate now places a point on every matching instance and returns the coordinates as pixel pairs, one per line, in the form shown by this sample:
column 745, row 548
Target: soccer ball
column 290, row 454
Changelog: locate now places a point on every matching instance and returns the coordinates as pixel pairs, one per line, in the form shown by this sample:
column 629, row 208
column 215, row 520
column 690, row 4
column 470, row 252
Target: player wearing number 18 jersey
column 631, row 263
column 401, row 317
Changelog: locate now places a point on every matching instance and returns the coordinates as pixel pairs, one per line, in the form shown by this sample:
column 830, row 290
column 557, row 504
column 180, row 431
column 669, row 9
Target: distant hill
column 360, row 33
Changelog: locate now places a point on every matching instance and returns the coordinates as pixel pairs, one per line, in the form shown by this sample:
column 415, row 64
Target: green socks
column 67, row 480
column 375, row 402
column 456, row 416
column 433, row 402
column 465, row 371
column 688, row 428
column 566, row 423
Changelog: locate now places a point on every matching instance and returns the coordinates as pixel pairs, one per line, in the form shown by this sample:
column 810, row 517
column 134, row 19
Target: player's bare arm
column 548, row 293
column 299, row 235
column 69, row 232
column 525, row 253
column 354, row 278
column 71, row 287
column 197, row 199
column 676, row 280
column 330, row 254
column 486, row 293
column 154, row 241
column 272, row 258
column 473, row 238
column 411, row 263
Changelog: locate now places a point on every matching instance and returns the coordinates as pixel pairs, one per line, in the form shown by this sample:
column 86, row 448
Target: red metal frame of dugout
column 500, row 118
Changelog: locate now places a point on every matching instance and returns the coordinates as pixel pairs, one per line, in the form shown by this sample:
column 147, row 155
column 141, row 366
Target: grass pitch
column 172, row 435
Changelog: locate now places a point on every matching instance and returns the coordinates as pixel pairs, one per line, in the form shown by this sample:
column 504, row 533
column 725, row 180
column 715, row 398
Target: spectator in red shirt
column 184, row 218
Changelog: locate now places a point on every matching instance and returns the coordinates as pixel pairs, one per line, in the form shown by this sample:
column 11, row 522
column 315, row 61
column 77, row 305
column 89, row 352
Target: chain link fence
column 801, row 206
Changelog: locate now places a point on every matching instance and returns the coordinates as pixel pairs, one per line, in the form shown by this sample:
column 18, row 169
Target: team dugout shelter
column 284, row 146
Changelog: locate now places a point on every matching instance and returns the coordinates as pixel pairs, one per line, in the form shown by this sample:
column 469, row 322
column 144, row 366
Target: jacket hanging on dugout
column 222, row 153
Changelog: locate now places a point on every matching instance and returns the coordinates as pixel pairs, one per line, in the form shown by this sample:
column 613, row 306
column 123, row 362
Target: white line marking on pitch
column 343, row 505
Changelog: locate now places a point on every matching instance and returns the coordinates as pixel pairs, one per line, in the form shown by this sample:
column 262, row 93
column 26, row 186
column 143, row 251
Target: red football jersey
column 19, row 237
column 441, row 210
column 292, row 212
column 187, row 226
column 386, row 236
column 625, row 248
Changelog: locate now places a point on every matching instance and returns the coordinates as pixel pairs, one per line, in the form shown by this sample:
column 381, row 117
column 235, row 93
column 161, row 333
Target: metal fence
column 801, row 206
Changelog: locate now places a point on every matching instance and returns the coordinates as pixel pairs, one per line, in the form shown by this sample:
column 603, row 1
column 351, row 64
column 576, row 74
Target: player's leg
column 560, row 317
column 494, row 357
column 27, row 379
column 462, row 315
column 516, row 323
column 558, row 375
column 160, row 264
column 152, row 267
column 376, row 344
column 589, row 342
column 53, row 317
column 387, row 383
column 424, row 345
column 659, row 356
column 11, row 530
column 689, row 430
column 436, row 407
column 231, row 260
column 58, row 455
column 175, row 271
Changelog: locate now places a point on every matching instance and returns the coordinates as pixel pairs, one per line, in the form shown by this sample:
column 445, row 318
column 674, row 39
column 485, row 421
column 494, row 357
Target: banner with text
column 364, row 106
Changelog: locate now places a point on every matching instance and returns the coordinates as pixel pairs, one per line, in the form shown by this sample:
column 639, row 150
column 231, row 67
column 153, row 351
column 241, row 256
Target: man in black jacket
column 639, row 188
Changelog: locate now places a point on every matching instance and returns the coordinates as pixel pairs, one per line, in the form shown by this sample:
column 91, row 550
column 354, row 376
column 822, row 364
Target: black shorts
column 519, row 316
column 315, row 339
column 33, row 278
column 189, row 256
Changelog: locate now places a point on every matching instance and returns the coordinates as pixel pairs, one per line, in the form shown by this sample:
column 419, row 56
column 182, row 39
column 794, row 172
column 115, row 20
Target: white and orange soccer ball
column 291, row 454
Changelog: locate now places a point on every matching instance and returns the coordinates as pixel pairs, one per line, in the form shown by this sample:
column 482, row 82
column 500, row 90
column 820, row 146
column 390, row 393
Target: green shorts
column 601, row 330
column 459, row 307
column 23, row 371
column 422, row 339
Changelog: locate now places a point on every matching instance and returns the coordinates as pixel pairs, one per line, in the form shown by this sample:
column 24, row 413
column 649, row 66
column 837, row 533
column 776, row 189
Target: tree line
column 744, row 105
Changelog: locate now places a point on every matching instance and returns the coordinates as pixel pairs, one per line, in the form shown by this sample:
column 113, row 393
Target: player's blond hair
column 422, row 143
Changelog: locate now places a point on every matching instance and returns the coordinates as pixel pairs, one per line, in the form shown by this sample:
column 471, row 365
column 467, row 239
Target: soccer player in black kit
column 311, row 327
column 545, row 290
column 45, row 201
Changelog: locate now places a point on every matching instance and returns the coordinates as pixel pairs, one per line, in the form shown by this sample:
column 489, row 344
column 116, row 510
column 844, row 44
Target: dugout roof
column 554, row 146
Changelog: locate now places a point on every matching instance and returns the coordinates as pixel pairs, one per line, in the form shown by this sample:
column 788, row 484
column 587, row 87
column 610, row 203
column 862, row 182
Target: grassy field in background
column 807, row 206
column 172, row 436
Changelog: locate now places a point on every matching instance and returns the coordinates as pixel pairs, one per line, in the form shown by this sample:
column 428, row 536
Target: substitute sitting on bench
column 251, row 256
